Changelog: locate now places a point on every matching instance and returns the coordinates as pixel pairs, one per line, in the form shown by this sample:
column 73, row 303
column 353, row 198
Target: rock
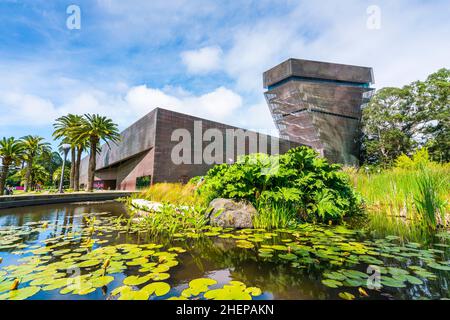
column 229, row 213
column 144, row 207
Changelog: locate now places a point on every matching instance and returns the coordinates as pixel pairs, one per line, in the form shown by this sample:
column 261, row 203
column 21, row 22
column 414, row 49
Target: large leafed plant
column 299, row 180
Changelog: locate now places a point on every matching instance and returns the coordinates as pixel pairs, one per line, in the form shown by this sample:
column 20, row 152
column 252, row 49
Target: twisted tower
column 319, row 104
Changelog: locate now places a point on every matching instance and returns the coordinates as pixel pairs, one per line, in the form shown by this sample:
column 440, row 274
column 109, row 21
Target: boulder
column 229, row 213
column 144, row 207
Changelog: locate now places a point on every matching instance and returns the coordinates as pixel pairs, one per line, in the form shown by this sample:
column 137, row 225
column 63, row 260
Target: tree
column 38, row 175
column 82, row 145
column 33, row 147
column 95, row 128
column 51, row 163
column 386, row 129
column 432, row 114
column 63, row 130
column 398, row 120
column 56, row 177
column 10, row 153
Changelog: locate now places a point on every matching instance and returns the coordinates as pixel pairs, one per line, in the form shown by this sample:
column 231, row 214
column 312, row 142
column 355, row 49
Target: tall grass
column 174, row 193
column 429, row 204
column 404, row 201
column 275, row 216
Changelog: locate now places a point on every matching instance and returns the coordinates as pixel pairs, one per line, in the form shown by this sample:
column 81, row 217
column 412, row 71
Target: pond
column 87, row 251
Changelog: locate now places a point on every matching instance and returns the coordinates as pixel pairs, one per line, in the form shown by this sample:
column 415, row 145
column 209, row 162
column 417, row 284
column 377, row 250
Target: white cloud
column 21, row 108
column 408, row 46
column 25, row 110
column 219, row 104
column 203, row 60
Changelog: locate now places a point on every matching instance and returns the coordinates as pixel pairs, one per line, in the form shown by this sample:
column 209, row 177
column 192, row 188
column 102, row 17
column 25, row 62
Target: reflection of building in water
column 319, row 104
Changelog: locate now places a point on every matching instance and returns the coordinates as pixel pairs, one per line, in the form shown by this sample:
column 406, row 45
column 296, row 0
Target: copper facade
column 319, row 104
column 146, row 147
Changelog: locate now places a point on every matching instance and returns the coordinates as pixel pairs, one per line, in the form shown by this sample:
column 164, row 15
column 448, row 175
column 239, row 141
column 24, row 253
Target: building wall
column 130, row 159
column 118, row 160
column 168, row 121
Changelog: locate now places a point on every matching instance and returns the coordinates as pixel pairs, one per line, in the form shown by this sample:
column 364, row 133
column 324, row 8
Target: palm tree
column 33, row 146
column 82, row 146
column 10, row 152
column 93, row 129
column 63, row 130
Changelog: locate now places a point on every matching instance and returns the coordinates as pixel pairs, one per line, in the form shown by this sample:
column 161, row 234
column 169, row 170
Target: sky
column 201, row 57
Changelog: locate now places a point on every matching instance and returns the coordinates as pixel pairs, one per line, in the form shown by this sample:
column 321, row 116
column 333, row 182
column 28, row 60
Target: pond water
column 85, row 251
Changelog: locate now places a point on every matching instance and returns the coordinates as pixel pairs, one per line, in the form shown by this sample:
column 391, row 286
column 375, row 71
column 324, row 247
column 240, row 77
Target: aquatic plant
column 397, row 199
column 428, row 202
column 275, row 216
column 172, row 219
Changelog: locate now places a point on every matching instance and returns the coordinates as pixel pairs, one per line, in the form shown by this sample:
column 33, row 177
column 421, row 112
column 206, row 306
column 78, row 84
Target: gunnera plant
column 312, row 188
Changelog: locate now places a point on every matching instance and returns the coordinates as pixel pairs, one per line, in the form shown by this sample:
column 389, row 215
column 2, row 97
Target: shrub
column 299, row 180
column 420, row 159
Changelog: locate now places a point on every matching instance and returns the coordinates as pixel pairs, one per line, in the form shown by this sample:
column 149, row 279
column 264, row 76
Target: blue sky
column 204, row 58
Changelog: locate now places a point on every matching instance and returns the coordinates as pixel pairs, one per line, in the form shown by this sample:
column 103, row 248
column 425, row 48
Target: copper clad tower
column 319, row 104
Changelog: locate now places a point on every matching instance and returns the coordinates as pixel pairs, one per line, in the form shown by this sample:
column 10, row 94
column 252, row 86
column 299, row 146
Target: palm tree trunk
column 28, row 175
column 72, row 168
column 76, row 186
column 3, row 177
column 92, row 165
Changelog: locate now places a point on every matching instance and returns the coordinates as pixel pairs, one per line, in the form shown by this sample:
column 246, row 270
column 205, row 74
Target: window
column 143, row 182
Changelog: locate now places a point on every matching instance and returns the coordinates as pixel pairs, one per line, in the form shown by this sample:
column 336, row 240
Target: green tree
column 33, row 147
column 38, row 174
column 10, row 153
column 432, row 114
column 63, row 130
column 56, row 177
column 386, row 129
column 93, row 129
column 398, row 120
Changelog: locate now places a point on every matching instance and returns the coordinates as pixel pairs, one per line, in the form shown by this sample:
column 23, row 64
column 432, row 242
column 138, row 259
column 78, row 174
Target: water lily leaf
column 20, row 294
column 439, row 266
column 136, row 280
column 101, row 281
column 89, row 263
column 5, row 286
column 228, row 293
column 288, row 256
column 159, row 276
column 157, row 288
column 244, row 244
column 346, row 296
column 332, row 283
column 198, row 286
column 254, row 291
column 120, row 290
column 413, row 280
column 335, row 276
column 391, row 282
column 137, row 262
column 58, row 284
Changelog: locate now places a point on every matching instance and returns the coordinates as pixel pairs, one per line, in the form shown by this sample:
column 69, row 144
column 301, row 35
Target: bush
column 299, row 181
column 419, row 160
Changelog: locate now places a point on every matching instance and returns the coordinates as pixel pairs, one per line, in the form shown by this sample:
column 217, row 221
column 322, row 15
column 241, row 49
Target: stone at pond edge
column 229, row 213
column 144, row 207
